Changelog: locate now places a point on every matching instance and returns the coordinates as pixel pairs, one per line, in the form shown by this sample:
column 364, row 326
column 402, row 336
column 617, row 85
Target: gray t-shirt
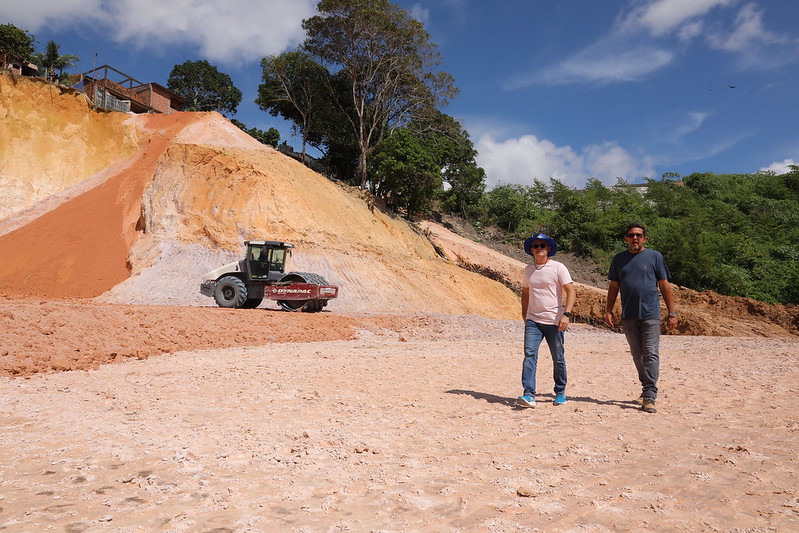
column 638, row 276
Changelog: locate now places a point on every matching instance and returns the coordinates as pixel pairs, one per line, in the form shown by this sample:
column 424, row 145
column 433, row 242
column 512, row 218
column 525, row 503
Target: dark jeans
column 643, row 336
column 534, row 333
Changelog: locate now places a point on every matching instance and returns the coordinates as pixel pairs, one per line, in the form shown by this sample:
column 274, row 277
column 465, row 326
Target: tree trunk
column 362, row 167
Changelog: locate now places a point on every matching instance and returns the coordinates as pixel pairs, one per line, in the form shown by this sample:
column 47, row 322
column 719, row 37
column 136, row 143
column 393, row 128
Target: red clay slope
column 91, row 234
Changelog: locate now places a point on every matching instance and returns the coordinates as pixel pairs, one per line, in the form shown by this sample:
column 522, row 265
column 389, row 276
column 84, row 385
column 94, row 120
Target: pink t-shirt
column 545, row 300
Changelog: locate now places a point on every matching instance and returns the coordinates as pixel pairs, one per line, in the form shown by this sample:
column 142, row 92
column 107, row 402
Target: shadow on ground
column 511, row 402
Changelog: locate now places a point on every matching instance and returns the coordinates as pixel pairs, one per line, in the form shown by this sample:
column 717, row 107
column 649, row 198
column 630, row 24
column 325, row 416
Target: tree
column 736, row 234
column 332, row 135
column 293, row 87
column 455, row 155
column 388, row 61
column 15, row 44
column 509, row 206
column 205, row 88
column 270, row 136
column 405, row 174
column 53, row 63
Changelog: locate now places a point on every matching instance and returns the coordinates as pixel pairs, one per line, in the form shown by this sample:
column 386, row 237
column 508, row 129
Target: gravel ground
column 330, row 422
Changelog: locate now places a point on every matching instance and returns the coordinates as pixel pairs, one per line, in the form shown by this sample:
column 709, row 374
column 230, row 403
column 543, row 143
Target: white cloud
column 609, row 161
column 692, row 122
column 628, row 52
column 780, row 167
column 748, row 29
column 661, row 17
column 527, row 158
column 650, row 34
column 523, row 159
column 602, row 63
column 32, row 15
column 756, row 46
column 420, row 13
column 689, row 31
column 230, row 32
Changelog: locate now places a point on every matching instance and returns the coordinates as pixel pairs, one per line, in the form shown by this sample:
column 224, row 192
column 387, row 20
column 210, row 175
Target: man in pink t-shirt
column 547, row 301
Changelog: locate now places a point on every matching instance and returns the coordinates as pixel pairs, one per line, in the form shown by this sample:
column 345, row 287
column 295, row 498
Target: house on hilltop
column 128, row 94
column 18, row 66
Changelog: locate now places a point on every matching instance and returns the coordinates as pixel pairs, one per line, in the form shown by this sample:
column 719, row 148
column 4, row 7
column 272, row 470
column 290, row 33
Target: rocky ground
column 331, row 422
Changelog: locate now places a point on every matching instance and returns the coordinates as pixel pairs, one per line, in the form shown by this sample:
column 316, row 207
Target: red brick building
column 128, row 94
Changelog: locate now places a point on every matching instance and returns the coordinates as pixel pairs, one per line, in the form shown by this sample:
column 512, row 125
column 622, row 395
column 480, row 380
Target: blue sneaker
column 560, row 398
column 526, row 400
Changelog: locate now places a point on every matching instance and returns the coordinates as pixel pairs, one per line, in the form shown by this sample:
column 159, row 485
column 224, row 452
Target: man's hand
column 613, row 292
column 671, row 323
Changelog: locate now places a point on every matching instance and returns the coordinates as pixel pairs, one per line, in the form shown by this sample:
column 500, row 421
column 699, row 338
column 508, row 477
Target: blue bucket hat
column 553, row 246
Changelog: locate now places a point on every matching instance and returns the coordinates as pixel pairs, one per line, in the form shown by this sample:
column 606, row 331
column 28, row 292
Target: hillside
column 142, row 225
column 134, row 209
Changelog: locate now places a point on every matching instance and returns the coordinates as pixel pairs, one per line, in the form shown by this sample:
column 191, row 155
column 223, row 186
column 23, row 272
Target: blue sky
column 568, row 89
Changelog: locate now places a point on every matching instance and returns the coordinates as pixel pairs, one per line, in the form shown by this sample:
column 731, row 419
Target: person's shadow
column 511, row 402
column 490, row 398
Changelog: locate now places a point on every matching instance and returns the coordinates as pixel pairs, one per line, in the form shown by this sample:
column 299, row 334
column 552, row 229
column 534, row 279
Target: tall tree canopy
column 389, row 64
column 432, row 159
column 455, row 156
column 15, row 44
column 204, row 87
column 405, row 174
column 294, row 87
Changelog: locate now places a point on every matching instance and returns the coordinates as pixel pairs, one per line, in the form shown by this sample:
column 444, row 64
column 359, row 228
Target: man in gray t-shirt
column 641, row 275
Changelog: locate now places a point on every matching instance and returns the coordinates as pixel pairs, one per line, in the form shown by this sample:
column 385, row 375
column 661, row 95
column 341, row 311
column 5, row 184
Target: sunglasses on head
column 536, row 246
column 634, row 235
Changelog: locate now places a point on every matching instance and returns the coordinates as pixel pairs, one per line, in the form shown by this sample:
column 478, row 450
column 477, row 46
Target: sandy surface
column 410, row 426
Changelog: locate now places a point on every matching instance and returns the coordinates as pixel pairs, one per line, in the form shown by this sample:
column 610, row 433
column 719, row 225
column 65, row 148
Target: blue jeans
column 534, row 333
column 643, row 336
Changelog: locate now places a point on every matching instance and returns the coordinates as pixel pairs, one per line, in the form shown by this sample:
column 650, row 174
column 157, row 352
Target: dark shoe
column 649, row 406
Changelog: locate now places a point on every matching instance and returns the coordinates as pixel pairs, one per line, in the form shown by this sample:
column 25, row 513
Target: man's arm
column 668, row 298
column 569, row 291
column 613, row 292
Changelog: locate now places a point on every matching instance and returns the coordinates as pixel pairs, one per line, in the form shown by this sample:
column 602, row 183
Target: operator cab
column 266, row 260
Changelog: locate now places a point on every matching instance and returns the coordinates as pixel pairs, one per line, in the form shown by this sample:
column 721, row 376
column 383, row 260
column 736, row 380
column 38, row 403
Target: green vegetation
column 294, row 88
column 736, row 234
column 52, row 64
column 15, row 44
column 385, row 63
column 365, row 91
column 270, row 136
column 205, row 87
